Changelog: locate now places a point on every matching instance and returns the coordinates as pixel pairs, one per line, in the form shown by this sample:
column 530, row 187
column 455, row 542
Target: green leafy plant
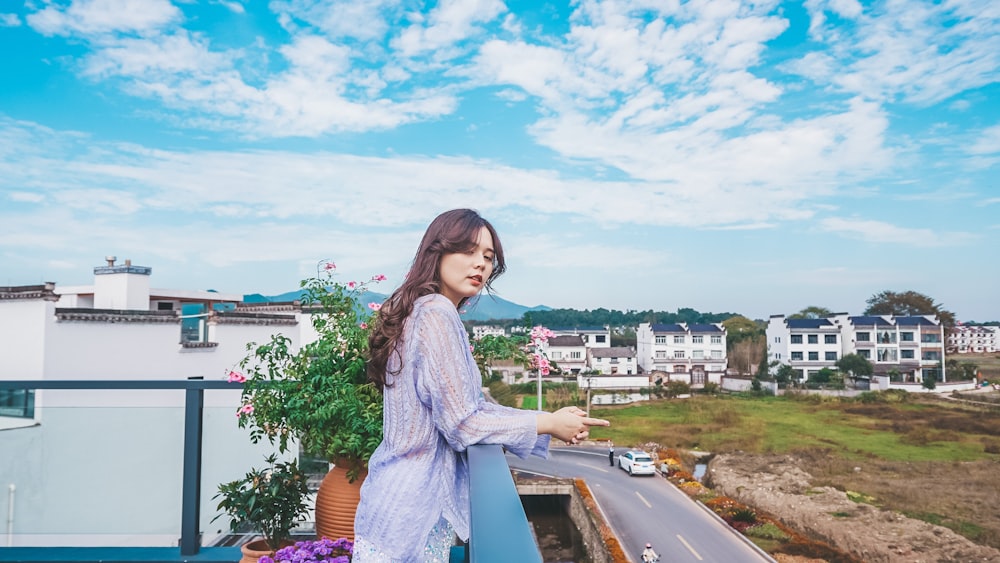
column 318, row 394
column 271, row 500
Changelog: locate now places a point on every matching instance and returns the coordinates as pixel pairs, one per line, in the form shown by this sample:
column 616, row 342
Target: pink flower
column 351, row 285
column 329, row 266
column 364, row 326
column 374, row 306
column 245, row 409
column 236, row 377
column 541, row 334
column 378, row 277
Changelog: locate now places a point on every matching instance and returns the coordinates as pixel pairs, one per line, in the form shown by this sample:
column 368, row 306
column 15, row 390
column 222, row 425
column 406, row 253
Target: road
column 644, row 509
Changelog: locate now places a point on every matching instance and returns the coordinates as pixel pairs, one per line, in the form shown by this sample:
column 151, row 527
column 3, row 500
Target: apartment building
column 967, row 339
column 693, row 353
column 909, row 348
column 479, row 331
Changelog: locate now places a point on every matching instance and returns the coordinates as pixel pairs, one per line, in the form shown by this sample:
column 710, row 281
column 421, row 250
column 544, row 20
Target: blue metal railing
column 499, row 528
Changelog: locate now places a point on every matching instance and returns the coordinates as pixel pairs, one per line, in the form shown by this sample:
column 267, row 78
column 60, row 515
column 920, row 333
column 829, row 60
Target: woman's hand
column 569, row 424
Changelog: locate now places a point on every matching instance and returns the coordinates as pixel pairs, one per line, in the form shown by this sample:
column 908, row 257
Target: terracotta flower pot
column 254, row 550
column 336, row 504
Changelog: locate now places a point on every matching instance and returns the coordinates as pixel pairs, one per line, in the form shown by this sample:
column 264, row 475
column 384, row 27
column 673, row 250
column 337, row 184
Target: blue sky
column 756, row 157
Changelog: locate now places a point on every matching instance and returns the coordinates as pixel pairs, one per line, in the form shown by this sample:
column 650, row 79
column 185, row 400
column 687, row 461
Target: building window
column 777, row 340
column 660, row 354
column 697, row 340
column 679, row 354
column 906, row 337
column 813, row 356
column 906, row 354
column 678, row 340
column 796, row 356
column 698, row 354
column 886, row 337
column 660, row 339
column 165, row 306
column 930, row 338
column 193, row 326
column 19, row 403
column 556, row 355
column 813, row 339
column 679, row 369
column 796, row 339
column 831, row 356
column 829, row 338
column 886, row 355
column 716, row 339
column 716, row 354
column 935, row 356
column 866, row 354
column 600, row 339
column 864, row 337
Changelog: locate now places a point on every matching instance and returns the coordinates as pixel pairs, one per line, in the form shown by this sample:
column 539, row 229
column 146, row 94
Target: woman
column 416, row 496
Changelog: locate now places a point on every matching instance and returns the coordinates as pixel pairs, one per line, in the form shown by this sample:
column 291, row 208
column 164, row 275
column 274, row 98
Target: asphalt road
column 644, row 509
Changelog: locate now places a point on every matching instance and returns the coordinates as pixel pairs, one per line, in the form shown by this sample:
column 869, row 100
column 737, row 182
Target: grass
column 967, row 529
column 779, row 425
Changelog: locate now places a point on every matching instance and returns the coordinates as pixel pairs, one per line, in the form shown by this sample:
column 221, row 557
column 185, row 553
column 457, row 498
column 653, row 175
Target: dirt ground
column 807, row 492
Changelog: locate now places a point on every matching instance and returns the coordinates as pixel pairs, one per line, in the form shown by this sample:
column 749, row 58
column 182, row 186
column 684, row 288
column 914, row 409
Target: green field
column 894, row 431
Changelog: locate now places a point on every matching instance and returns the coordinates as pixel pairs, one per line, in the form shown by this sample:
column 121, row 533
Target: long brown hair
column 450, row 232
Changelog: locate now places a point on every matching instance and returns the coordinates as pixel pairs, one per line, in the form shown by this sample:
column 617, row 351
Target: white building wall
column 22, row 338
column 105, row 464
column 777, row 340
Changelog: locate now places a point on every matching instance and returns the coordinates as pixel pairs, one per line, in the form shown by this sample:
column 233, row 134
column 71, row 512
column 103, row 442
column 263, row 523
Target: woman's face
column 463, row 274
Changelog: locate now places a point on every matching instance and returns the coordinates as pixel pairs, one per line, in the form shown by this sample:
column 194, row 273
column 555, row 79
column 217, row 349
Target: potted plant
column 270, row 500
column 319, row 395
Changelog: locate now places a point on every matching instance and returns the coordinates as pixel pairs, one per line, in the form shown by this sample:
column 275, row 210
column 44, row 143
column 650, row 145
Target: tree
column 812, row 312
column 855, row 365
column 908, row 303
column 785, row 374
column 962, row 371
column 739, row 328
column 491, row 348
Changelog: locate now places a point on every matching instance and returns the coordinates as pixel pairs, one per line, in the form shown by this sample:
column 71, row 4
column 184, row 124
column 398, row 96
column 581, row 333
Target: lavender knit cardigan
column 433, row 411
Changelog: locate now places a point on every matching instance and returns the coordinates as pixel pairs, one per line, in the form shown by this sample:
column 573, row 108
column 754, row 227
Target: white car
column 637, row 463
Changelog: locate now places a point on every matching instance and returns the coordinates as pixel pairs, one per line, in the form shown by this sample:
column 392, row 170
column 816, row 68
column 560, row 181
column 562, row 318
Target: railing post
column 500, row 531
column 194, row 402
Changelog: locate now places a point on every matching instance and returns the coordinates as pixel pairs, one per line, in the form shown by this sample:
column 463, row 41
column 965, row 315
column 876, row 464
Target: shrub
column 767, row 531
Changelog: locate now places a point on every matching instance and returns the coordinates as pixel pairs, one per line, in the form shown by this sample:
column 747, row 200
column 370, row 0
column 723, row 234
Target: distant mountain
column 485, row 309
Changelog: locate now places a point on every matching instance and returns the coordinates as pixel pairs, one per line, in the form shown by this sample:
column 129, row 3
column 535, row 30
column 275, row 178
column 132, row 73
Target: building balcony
column 125, row 470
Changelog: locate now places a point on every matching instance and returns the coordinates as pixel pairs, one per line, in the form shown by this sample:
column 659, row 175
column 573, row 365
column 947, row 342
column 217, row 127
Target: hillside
column 485, row 308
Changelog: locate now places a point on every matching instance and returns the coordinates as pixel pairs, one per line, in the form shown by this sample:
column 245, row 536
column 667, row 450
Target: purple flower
column 326, row 550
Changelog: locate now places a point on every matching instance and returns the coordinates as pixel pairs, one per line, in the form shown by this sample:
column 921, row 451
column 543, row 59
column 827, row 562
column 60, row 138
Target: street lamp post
column 589, row 377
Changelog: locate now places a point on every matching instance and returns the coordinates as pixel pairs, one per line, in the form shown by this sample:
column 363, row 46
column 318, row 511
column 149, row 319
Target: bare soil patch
column 860, row 507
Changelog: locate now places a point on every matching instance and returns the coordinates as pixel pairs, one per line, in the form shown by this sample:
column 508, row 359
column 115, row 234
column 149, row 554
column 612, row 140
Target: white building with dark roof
column 568, row 352
column 970, row 339
column 907, row 349
column 694, row 353
column 616, row 360
column 593, row 336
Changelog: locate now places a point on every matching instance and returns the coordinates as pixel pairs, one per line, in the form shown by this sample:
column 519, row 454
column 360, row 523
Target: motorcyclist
column 648, row 555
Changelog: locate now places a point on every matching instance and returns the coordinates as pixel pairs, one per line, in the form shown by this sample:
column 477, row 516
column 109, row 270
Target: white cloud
column 921, row 52
column 10, row 20
column 447, row 24
column 881, row 232
column 92, row 17
column 25, row 197
column 988, row 142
